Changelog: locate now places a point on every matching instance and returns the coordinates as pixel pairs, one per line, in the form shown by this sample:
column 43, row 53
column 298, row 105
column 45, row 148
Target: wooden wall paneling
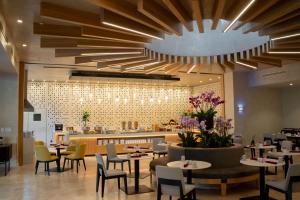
column 21, row 81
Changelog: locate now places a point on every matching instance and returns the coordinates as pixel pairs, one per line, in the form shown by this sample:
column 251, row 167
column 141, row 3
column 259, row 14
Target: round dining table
column 262, row 164
column 262, row 148
column 189, row 166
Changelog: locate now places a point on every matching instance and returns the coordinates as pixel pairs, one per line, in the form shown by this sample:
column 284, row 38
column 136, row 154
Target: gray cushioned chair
column 112, row 157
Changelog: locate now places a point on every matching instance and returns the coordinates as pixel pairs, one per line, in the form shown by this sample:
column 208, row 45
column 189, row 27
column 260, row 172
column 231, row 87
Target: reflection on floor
column 21, row 183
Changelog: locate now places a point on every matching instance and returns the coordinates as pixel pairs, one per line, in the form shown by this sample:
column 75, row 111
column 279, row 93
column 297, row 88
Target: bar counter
column 96, row 142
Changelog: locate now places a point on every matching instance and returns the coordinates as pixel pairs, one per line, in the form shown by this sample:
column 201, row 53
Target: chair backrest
column 287, row 145
column 111, row 150
column 293, row 171
column 39, row 143
column 80, row 151
column 42, row 153
column 102, row 168
column 156, row 147
column 71, row 148
column 172, row 174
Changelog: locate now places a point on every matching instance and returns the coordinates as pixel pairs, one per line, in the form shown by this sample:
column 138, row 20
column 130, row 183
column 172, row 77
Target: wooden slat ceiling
column 115, row 38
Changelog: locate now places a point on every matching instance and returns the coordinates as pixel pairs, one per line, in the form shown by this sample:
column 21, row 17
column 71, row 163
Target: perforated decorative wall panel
column 109, row 103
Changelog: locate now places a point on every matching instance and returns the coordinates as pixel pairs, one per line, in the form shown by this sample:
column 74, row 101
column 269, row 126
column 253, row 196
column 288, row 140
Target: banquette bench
column 225, row 169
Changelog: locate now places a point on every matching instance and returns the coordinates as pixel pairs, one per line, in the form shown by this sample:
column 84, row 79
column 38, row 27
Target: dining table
column 58, row 148
column 262, row 163
column 262, row 148
column 189, row 166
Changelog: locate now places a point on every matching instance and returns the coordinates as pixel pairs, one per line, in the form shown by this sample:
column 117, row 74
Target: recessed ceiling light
column 210, row 79
column 286, row 36
column 32, row 80
column 201, row 81
column 112, row 53
column 291, row 84
column 24, row 45
column 239, row 15
column 134, row 31
column 98, row 69
column 20, row 21
column 284, row 52
column 219, row 77
column 246, row 65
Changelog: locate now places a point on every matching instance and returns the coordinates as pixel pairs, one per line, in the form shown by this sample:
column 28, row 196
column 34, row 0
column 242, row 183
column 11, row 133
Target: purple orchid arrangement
column 223, row 125
column 205, row 101
column 188, row 122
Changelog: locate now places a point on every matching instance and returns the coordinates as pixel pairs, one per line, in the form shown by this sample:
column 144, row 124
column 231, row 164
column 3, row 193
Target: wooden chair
column 43, row 155
column 287, row 185
column 112, row 157
column 77, row 156
column 170, row 181
column 108, row 174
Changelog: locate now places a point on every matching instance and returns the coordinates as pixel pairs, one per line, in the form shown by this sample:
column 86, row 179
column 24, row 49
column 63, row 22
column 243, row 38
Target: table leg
column 261, row 153
column 189, row 176
column 59, row 156
column 287, row 162
column 262, row 182
column 136, row 175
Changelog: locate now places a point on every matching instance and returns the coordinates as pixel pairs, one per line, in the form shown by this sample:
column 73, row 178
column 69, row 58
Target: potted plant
column 204, row 107
column 187, row 135
column 85, row 118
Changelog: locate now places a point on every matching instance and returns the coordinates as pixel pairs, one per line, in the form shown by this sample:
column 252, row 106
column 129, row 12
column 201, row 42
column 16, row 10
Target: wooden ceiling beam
column 287, row 41
column 256, row 12
column 124, row 23
column 86, row 59
column 248, row 62
column 219, row 9
column 48, row 42
column 160, row 15
column 267, row 60
column 106, row 34
column 158, row 68
column 282, row 27
column 286, row 47
column 198, row 14
column 283, row 56
column 79, row 52
column 174, row 68
column 131, row 66
column 121, row 61
column 127, row 10
column 274, row 14
column 85, row 33
column 180, row 13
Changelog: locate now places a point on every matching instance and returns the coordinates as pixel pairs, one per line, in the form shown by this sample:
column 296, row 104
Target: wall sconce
column 240, row 108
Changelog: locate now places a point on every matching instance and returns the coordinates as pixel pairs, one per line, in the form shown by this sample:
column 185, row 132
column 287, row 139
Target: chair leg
column 118, row 182
column 288, row 196
column 77, row 165
column 36, row 166
column 170, row 197
column 84, row 164
column 48, row 169
column 45, row 166
column 64, row 164
column 150, row 177
column 97, row 180
column 114, row 165
column 102, row 186
column 125, row 184
column 107, row 165
column 72, row 164
column 129, row 166
column 122, row 166
column 194, row 195
column 267, row 191
column 5, row 169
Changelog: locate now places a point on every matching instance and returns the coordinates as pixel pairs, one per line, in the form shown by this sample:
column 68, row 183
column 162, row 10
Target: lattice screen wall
column 110, row 104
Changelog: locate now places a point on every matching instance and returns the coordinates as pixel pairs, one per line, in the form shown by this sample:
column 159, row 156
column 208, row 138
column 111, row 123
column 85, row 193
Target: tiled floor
column 22, row 184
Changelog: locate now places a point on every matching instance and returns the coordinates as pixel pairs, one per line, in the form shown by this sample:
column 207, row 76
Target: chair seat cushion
column 72, row 156
column 115, row 173
column 160, row 151
column 66, row 153
column 158, row 162
column 224, row 173
column 277, row 184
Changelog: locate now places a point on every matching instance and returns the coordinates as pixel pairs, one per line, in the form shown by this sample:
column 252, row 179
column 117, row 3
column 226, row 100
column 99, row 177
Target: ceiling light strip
column 246, row 65
column 113, row 53
column 284, row 52
column 141, row 66
column 239, row 15
column 134, row 31
column 191, row 69
column 286, row 36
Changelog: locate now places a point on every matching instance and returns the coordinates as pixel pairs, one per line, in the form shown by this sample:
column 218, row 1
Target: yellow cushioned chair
column 70, row 150
column 39, row 143
column 76, row 156
column 43, row 155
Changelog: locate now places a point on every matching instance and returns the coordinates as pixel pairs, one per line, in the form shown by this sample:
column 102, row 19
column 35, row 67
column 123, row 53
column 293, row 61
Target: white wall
column 262, row 109
column 9, row 109
column 291, row 107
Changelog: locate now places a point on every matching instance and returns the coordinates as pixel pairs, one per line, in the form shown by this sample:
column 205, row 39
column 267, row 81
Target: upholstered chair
column 157, row 149
column 77, row 156
column 43, row 155
column 108, row 174
column 112, row 157
column 170, row 182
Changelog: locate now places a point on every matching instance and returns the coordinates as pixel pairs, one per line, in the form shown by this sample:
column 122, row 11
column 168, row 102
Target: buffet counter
column 96, row 142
